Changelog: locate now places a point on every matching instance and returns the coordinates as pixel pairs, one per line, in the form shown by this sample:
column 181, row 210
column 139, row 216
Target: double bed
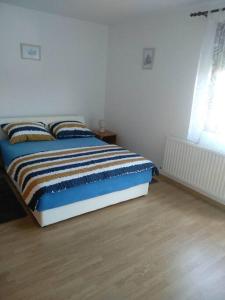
column 53, row 207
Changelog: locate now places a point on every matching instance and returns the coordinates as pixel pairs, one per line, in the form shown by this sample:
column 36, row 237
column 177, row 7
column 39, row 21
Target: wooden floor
column 168, row 245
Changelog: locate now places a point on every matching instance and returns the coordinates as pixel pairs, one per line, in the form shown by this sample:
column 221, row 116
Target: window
column 207, row 125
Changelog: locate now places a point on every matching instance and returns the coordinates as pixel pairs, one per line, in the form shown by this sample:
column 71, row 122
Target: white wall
column 70, row 78
column 142, row 106
column 145, row 106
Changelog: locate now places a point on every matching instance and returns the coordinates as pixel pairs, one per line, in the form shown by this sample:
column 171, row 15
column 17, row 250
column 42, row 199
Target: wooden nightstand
column 106, row 136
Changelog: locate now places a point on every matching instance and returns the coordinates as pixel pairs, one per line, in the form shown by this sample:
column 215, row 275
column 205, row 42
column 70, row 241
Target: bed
column 75, row 200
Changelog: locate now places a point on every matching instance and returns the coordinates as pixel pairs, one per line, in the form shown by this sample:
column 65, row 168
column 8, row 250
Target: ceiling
column 100, row 11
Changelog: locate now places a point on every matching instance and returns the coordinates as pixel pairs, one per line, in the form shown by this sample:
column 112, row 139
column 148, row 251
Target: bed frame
column 54, row 215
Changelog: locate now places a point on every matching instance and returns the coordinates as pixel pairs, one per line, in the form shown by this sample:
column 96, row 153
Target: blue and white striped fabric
column 70, row 129
column 19, row 132
column 53, row 171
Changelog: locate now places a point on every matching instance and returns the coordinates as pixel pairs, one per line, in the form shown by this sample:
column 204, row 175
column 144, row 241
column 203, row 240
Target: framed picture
column 148, row 58
column 30, row 51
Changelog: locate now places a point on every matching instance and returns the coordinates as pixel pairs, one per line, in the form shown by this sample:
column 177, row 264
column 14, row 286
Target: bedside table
column 106, row 136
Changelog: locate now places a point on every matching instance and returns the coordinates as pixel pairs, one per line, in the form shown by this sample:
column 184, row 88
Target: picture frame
column 29, row 51
column 148, row 58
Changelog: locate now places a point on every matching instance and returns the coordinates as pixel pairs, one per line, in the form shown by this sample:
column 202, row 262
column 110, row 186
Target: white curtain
column 207, row 124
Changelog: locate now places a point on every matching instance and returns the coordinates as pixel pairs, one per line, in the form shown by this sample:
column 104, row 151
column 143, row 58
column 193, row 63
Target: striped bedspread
column 53, row 171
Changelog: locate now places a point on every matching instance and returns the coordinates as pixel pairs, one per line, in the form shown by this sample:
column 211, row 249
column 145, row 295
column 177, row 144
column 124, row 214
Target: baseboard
column 174, row 181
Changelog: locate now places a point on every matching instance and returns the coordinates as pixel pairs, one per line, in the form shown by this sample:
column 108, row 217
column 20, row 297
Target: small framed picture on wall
column 148, row 58
column 29, row 51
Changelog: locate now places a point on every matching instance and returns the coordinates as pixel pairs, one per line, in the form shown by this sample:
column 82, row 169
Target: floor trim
column 195, row 193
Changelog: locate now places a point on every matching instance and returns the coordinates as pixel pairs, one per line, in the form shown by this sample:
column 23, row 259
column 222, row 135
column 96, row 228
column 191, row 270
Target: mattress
column 78, row 193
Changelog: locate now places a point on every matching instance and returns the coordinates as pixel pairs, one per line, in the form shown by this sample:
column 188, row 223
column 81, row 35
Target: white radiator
column 196, row 167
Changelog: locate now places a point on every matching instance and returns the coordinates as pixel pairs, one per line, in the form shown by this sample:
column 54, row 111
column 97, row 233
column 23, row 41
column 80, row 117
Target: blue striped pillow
column 19, row 132
column 70, row 129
